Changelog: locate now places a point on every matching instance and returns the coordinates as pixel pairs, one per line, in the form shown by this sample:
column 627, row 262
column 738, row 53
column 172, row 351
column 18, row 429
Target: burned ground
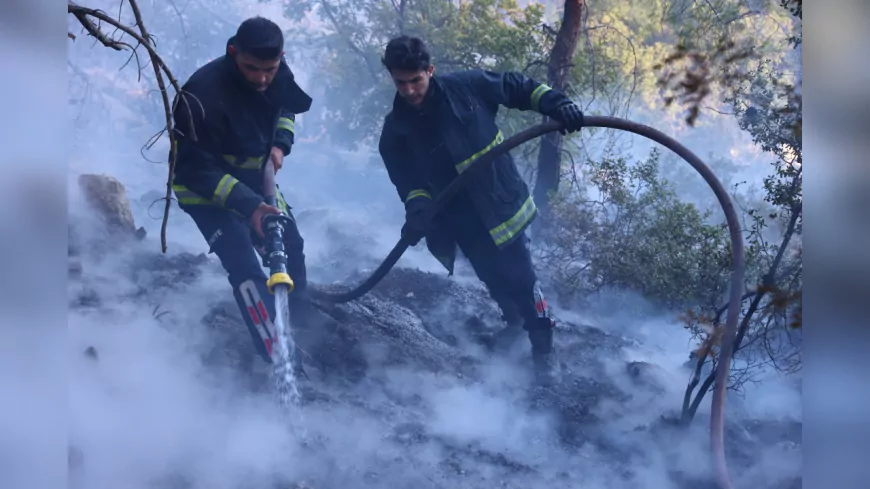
column 402, row 391
column 381, row 358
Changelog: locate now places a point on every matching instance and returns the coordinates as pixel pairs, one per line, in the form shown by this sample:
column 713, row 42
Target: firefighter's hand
column 413, row 236
column 416, row 224
column 277, row 157
column 257, row 217
column 570, row 116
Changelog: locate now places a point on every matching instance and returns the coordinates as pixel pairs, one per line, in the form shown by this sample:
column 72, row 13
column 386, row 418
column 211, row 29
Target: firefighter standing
column 438, row 126
column 224, row 127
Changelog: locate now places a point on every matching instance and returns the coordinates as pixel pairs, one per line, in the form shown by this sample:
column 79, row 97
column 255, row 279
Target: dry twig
column 143, row 38
column 688, row 75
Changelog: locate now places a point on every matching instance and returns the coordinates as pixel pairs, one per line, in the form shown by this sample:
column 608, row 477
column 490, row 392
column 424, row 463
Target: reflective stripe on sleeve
column 413, row 194
column 508, row 229
column 287, row 124
column 537, row 93
column 187, row 197
column 223, row 189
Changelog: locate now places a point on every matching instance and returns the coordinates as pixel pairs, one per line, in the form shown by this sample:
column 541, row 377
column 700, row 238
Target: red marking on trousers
column 262, row 309
column 253, row 313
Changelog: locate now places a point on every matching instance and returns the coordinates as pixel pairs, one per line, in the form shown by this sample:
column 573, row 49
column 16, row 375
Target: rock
column 108, row 197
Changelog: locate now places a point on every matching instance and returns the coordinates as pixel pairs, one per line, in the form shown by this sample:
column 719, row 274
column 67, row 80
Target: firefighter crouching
column 224, row 127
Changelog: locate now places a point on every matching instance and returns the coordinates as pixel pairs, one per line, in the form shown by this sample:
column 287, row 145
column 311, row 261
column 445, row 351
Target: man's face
column 259, row 73
column 412, row 85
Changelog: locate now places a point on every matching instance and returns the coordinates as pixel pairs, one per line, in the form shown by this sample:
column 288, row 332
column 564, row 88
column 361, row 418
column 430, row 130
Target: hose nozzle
column 273, row 228
column 279, row 278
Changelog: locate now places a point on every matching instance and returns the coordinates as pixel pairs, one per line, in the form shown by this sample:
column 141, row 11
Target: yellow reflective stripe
column 282, row 204
column 185, row 196
column 417, row 193
column 287, row 124
column 508, row 229
column 536, row 95
column 461, row 167
column 250, row 163
column 253, row 163
column 223, row 189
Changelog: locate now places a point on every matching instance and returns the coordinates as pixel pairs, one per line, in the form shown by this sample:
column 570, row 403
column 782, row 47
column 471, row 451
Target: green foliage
column 490, row 34
column 635, row 234
column 795, row 7
column 768, row 106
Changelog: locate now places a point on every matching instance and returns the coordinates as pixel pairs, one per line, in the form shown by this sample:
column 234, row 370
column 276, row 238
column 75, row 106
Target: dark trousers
column 508, row 273
column 231, row 238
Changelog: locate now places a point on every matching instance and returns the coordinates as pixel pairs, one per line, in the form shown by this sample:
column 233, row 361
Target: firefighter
column 226, row 131
column 437, row 127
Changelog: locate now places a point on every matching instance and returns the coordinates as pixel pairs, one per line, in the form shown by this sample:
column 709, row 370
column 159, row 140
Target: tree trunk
column 558, row 70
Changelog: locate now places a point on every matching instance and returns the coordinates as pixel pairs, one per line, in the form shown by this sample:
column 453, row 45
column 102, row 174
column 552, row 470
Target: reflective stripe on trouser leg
column 257, row 316
column 228, row 236
column 540, row 301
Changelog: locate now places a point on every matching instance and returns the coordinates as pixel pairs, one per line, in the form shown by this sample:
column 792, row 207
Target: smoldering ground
column 148, row 411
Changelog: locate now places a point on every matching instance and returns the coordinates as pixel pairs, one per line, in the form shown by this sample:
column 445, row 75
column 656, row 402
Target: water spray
column 280, row 284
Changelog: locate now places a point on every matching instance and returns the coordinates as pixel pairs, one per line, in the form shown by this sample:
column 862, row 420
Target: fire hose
column 717, row 418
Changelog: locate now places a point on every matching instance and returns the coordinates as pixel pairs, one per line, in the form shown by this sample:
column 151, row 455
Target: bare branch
column 146, row 40
column 767, row 287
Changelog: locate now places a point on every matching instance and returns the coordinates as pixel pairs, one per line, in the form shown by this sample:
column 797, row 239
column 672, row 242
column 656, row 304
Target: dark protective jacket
column 424, row 149
column 220, row 158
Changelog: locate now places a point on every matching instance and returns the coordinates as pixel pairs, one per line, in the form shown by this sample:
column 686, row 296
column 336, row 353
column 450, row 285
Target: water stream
column 288, row 390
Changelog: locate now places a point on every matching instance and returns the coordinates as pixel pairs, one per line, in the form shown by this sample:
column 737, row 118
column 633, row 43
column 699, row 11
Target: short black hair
column 406, row 53
column 261, row 38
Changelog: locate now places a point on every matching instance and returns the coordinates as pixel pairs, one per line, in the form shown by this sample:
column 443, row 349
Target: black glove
column 417, row 223
column 570, row 116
